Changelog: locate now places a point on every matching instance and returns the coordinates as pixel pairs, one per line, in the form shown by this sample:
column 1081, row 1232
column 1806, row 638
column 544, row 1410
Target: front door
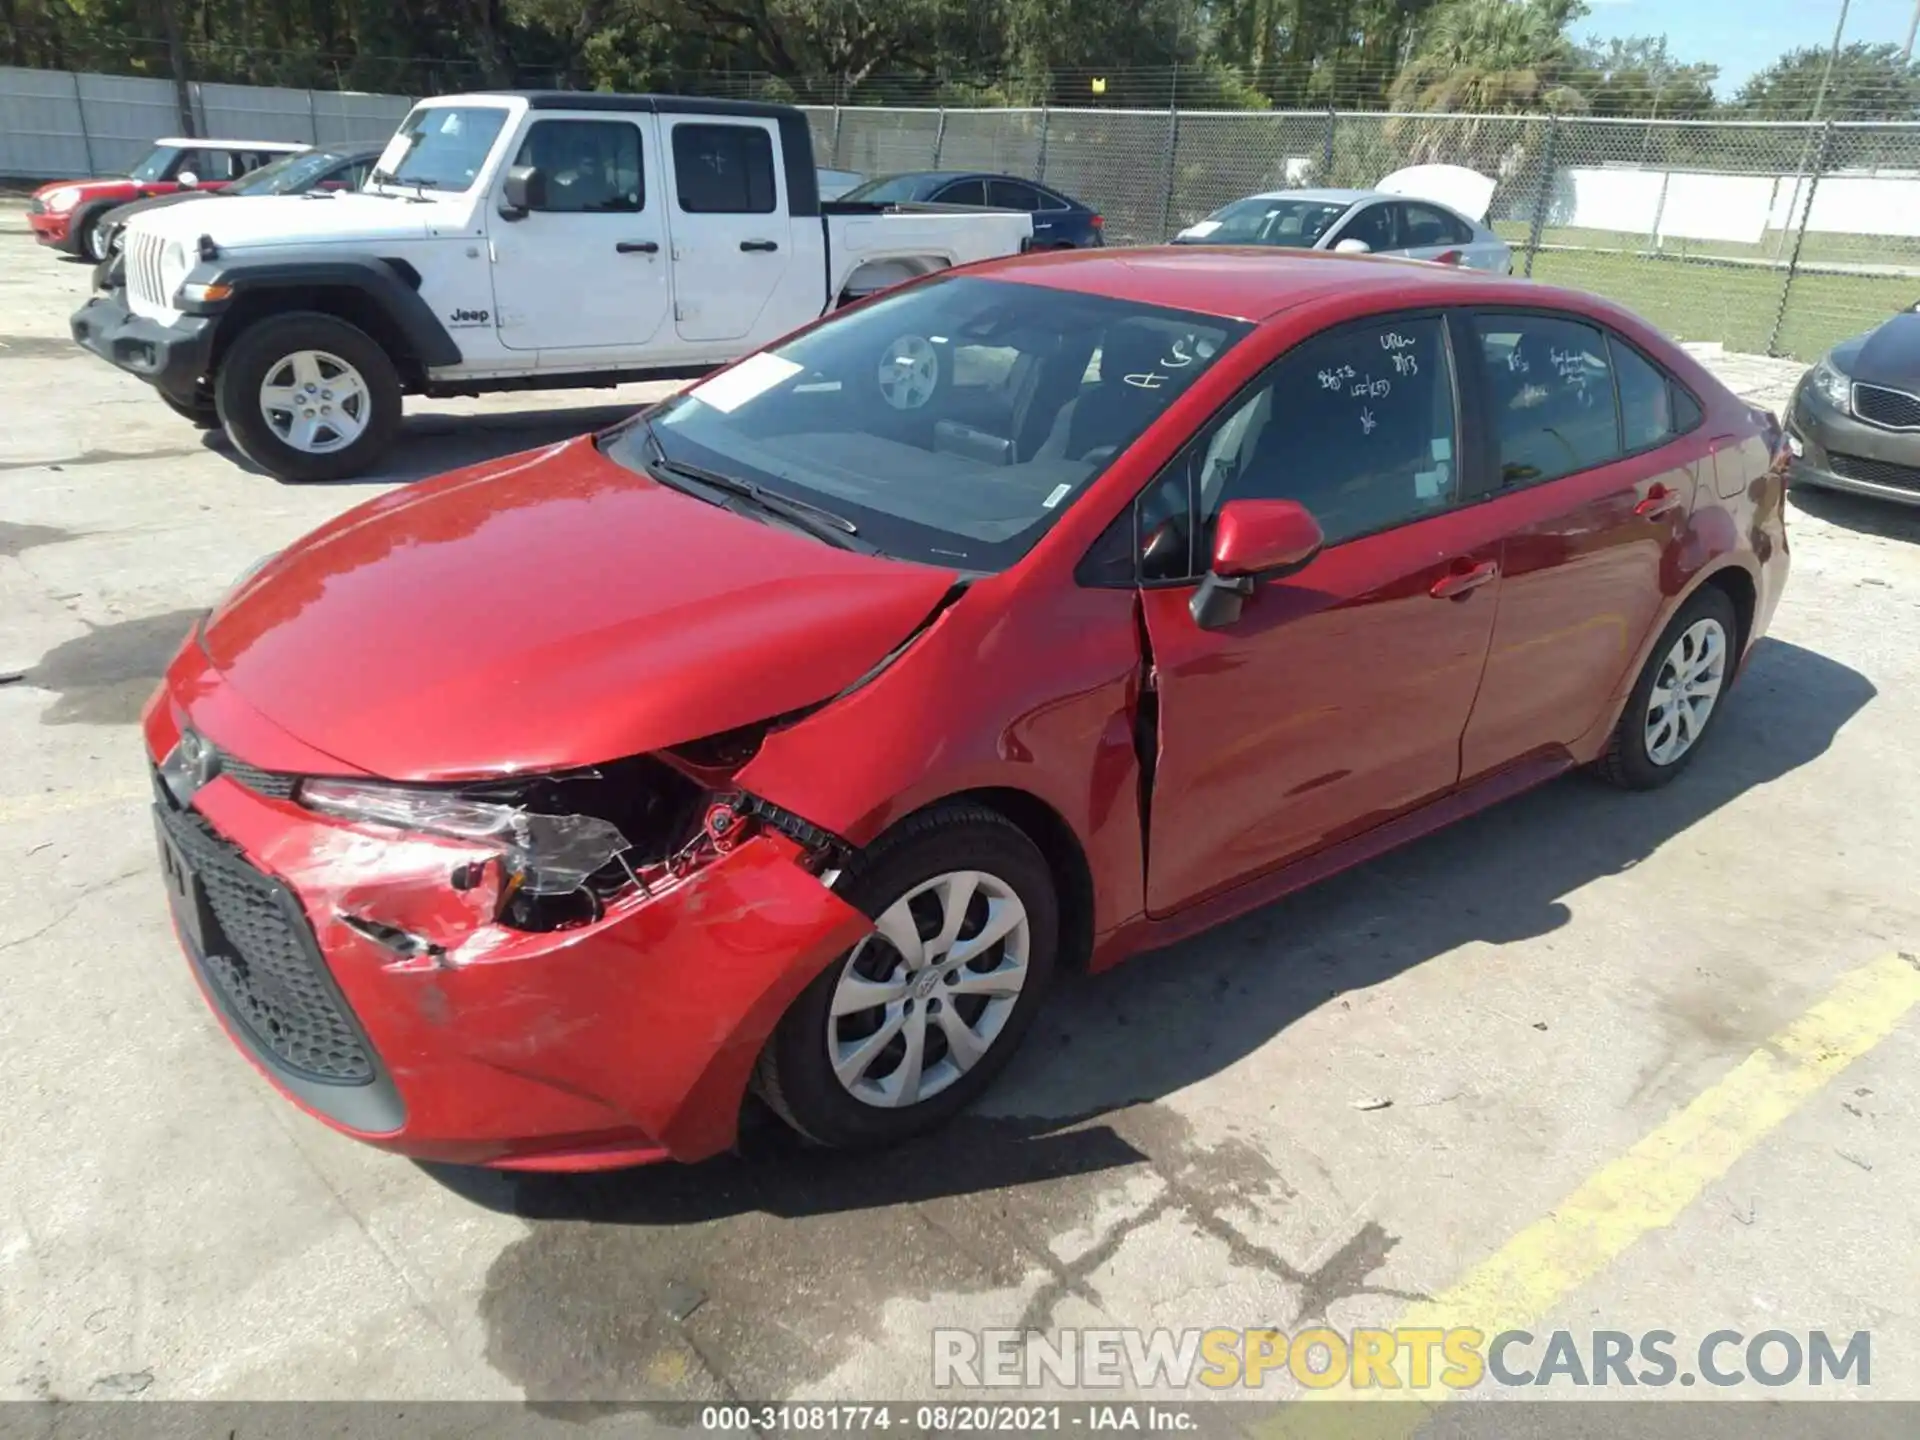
column 1337, row 700
column 587, row 269
column 732, row 235
column 1594, row 490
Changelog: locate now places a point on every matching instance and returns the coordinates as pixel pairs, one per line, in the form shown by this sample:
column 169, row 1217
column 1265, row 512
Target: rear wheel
column 307, row 396
column 1677, row 696
column 914, row 1021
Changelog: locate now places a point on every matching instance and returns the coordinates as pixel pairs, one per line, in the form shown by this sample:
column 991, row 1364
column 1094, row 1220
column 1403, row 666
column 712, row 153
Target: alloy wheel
column 909, row 372
column 923, row 999
column 316, row 402
column 1685, row 691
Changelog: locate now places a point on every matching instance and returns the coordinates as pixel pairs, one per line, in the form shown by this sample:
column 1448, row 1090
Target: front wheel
column 1677, row 696
column 915, row 1020
column 307, row 396
column 94, row 235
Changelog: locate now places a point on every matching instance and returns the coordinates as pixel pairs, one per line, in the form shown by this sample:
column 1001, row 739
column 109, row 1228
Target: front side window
column 442, row 147
column 1374, row 225
column 1550, row 393
column 1358, row 425
column 157, row 166
column 591, row 166
column 1269, row 220
column 723, row 169
column 211, row 166
column 951, row 423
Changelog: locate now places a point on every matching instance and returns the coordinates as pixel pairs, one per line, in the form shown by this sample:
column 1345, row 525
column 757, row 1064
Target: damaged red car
column 789, row 737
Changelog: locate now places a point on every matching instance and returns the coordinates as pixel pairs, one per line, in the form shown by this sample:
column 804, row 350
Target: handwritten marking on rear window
column 1179, row 360
column 1517, row 363
column 1367, row 422
column 1370, row 388
column 1573, row 367
column 1335, row 376
column 1147, row 380
column 1394, row 340
column 1404, row 363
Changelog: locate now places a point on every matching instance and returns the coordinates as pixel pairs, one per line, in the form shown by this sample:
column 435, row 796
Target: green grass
column 1733, row 304
column 1773, row 248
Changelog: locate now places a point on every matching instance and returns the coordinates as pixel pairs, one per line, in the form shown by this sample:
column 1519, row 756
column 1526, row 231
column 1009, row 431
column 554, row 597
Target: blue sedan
column 1059, row 223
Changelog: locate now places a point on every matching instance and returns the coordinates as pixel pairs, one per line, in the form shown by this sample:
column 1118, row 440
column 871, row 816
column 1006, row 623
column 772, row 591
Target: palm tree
column 1489, row 57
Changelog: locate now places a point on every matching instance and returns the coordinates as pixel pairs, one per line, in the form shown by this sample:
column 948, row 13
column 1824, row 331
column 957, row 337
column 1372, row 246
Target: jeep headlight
column 175, row 263
column 62, row 199
column 542, row 854
column 1833, row 385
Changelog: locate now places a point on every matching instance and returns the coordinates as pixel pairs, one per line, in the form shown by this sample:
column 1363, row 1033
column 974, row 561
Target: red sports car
column 67, row 214
column 790, row 736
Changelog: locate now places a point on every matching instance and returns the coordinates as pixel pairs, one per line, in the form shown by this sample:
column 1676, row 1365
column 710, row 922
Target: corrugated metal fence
column 1781, row 238
column 54, row 124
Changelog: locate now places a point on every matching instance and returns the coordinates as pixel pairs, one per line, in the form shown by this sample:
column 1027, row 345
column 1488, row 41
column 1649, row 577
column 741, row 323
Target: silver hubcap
column 924, row 997
column 909, row 372
column 1685, row 691
column 316, row 402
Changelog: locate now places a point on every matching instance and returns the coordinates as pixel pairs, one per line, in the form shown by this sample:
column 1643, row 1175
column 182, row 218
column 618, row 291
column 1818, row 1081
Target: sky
column 1743, row 36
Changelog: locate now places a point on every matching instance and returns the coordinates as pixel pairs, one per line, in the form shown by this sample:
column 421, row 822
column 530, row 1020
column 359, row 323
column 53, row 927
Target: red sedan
column 789, row 737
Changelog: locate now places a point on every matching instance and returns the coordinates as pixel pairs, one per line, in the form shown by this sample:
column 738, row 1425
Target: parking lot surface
column 1392, row 1095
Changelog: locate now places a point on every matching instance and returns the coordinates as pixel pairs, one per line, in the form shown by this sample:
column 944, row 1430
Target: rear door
column 587, row 270
column 730, row 222
column 1592, row 482
column 1337, row 699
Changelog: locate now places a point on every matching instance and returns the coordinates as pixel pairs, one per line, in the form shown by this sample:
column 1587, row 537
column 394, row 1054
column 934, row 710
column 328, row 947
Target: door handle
column 1661, row 500
column 638, row 247
column 1463, row 579
column 759, row 245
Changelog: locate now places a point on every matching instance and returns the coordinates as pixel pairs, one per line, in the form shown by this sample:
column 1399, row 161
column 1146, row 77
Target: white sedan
column 1425, row 212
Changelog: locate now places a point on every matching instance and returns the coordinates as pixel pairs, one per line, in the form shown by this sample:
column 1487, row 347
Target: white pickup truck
column 503, row 242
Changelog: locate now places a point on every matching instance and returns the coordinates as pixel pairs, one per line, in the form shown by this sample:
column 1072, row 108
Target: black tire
column 89, row 235
column 795, row 1077
column 202, row 415
column 1626, row 761
column 263, row 348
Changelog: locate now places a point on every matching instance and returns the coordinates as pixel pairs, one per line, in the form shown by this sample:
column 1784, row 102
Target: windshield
column 441, row 147
column 953, row 422
column 887, row 190
column 154, row 167
column 286, row 175
column 1275, row 220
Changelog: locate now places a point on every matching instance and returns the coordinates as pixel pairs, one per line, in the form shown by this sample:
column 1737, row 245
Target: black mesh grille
column 262, row 966
column 1876, row 472
column 1880, row 406
column 269, row 783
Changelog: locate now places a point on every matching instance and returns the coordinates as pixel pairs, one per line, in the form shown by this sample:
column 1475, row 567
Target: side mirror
column 1252, row 539
column 1353, row 247
column 187, row 179
column 523, row 191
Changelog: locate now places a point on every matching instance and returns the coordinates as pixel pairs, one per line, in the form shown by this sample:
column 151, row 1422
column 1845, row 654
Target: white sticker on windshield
column 754, row 376
column 1060, row 492
column 1443, row 449
column 1427, row 484
column 1203, row 229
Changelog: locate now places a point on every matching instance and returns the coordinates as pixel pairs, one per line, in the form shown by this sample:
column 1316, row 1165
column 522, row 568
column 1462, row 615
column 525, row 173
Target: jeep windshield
column 951, row 423
column 440, row 147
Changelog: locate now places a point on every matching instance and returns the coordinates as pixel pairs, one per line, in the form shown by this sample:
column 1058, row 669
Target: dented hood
column 549, row 610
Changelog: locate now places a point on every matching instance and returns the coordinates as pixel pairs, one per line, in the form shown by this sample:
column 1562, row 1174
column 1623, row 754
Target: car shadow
column 1889, row 519
column 1162, row 1022
column 433, row 442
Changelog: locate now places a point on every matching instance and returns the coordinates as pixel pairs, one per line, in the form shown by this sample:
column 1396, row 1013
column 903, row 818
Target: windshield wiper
column 816, row 520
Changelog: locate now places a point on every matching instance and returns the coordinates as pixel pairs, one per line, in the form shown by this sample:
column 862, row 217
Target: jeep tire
column 308, row 397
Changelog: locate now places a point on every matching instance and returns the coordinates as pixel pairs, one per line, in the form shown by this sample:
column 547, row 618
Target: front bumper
column 54, row 230
column 617, row 1043
column 1840, row 452
column 171, row 358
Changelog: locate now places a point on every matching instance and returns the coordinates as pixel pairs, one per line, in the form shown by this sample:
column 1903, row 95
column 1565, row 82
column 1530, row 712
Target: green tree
column 1639, row 76
column 1488, row 57
column 1868, row 82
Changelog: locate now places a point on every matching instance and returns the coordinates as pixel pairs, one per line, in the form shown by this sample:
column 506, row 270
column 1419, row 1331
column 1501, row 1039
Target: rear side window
column 1013, row 195
column 1422, row 226
column 724, row 169
column 1551, row 397
column 1646, row 399
column 964, row 192
column 1357, row 425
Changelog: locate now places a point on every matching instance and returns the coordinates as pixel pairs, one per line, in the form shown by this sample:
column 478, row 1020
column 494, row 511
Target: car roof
column 607, row 100
column 1325, row 195
column 180, row 142
column 1237, row 282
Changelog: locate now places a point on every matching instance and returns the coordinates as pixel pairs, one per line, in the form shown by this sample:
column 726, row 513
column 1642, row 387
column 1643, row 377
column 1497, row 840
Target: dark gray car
column 298, row 174
column 1855, row 420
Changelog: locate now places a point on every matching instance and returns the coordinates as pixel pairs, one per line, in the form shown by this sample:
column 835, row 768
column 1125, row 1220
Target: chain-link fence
column 1775, row 238
column 1772, row 237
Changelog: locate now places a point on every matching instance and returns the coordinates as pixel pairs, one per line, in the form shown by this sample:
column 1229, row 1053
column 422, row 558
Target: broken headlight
column 542, row 854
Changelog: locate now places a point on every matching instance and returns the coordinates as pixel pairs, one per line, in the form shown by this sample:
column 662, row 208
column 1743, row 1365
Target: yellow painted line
column 1645, row 1189
column 62, row 802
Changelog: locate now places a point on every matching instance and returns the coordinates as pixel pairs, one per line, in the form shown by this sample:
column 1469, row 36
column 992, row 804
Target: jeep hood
column 313, row 219
column 549, row 610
